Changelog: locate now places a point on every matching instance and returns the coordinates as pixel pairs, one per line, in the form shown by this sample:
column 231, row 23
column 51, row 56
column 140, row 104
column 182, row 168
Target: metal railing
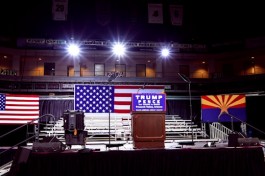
column 34, row 136
column 219, row 131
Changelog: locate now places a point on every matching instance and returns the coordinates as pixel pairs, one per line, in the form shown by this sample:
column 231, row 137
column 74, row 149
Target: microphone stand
column 109, row 128
column 187, row 80
column 110, row 79
column 234, row 117
column 109, row 145
column 191, row 113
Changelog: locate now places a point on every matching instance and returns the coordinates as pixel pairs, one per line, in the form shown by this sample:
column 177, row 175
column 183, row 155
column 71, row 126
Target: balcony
column 173, row 85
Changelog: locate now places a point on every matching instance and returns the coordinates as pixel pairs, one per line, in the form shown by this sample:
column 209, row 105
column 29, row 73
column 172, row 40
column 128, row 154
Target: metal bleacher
column 118, row 128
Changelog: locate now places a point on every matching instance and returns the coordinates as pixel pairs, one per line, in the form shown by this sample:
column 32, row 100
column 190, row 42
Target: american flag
column 109, row 99
column 18, row 109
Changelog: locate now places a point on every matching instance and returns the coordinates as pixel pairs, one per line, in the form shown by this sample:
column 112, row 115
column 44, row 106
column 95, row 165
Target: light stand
column 187, row 80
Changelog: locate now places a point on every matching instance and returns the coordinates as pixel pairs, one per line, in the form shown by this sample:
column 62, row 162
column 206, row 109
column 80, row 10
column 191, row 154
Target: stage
column 98, row 160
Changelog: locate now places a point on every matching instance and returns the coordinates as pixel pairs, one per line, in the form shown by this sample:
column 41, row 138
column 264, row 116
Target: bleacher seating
column 119, row 127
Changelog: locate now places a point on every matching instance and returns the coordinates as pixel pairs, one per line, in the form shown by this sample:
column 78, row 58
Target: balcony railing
column 173, row 84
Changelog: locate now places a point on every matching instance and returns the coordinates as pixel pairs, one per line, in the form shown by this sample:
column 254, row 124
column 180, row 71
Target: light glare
column 119, row 49
column 165, row 52
column 73, row 50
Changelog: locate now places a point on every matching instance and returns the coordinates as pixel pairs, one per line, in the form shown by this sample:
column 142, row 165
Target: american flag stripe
column 136, row 87
column 123, row 99
column 22, row 97
column 21, row 113
column 122, row 111
column 15, row 121
column 17, row 108
column 123, row 107
column 120, row 94
column 17, row 118
column 23, row 108
column 122, row 103
column 20, row 103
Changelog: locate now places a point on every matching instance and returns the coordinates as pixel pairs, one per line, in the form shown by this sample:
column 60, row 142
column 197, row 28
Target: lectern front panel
column 148, row 129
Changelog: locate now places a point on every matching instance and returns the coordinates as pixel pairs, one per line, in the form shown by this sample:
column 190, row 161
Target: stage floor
column 174, row 159
column 201, row 148
column 128, row 145
column 170, row 144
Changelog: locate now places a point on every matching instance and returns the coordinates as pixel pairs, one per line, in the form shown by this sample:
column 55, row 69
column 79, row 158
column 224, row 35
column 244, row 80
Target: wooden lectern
column 148, row 129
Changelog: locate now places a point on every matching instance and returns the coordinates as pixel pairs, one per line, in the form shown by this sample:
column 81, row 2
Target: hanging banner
column 103, row 12
column 155, row 13
column 60, row 10
column 176, row 14
column 134, row 12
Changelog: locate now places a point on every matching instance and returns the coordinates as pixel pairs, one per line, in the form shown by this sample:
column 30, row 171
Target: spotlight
column 119, row 49
column 165, row 52
column 73, row 49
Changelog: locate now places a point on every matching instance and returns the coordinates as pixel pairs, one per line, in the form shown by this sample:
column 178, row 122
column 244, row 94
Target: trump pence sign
column 149, row 102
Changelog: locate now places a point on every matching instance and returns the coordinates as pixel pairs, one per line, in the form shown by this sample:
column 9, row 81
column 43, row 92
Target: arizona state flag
column 223, row 108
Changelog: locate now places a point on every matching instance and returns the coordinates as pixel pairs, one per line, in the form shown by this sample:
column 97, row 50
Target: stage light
column 73, row 49
column 119, row 49
column 165, row 52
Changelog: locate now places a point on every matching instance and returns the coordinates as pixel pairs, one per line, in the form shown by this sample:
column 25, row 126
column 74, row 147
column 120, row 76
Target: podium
column 148, row 129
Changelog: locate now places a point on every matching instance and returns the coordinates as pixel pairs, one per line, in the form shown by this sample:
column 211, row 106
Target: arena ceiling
column 202, row 21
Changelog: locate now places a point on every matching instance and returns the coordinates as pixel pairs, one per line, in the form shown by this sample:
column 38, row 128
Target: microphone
column 222, row 112
column 219, row 116
column 184, row 78
column 139, row 90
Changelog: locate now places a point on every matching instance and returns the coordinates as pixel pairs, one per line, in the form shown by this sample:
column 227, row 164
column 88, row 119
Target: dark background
column 204, row 21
